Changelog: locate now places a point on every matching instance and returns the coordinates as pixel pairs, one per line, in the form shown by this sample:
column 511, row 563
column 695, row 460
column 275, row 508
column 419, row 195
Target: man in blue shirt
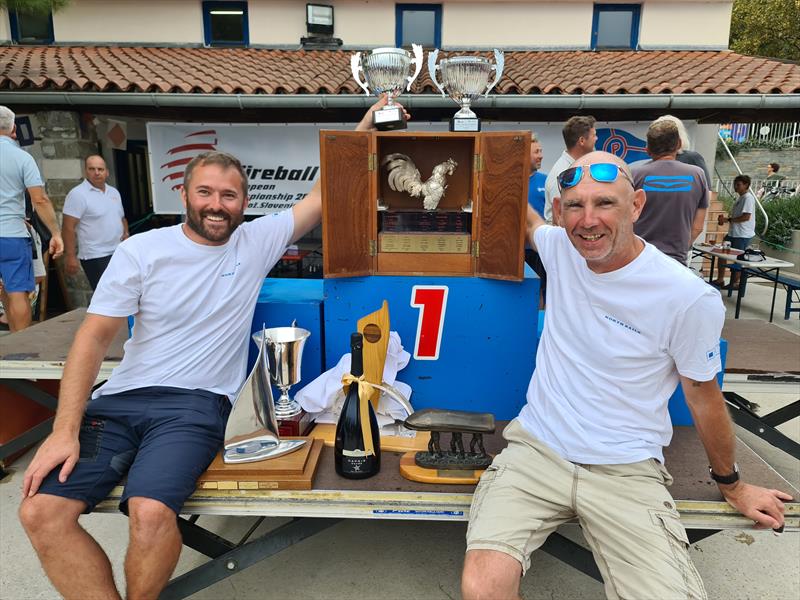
column 536, row 200
column 18, row 172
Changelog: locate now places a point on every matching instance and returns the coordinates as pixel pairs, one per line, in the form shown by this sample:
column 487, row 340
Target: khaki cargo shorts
column 626, row 513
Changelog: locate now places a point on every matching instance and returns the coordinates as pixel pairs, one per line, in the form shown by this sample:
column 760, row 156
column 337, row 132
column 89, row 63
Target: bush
column 784, row 215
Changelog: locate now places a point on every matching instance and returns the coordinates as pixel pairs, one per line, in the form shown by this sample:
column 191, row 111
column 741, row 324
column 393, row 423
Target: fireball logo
column 197, row 143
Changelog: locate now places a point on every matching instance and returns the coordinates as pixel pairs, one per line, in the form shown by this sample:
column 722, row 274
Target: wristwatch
column 726, row 479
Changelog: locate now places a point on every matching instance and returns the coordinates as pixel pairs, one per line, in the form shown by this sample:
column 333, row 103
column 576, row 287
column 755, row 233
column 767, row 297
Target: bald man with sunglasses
column 588, row 443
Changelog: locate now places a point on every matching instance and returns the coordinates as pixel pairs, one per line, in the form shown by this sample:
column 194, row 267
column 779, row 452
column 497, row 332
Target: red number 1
column 432, row 302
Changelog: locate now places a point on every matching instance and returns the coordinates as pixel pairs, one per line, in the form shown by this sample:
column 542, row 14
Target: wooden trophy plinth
column 293, row 471
column 296, row 426
column 412, row 471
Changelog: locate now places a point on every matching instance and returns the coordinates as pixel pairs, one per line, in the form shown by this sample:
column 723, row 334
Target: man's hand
column 58, row 448
column 721, row 219
column 366, row 124
column 763, row 506
column 56, row 246
column 71, row 264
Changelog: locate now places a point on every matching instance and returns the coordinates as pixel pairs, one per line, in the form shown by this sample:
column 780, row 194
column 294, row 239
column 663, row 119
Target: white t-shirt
column 611, row 350
column 746, row 203
column 551, row 185
column 193, row 304
column 100, row 217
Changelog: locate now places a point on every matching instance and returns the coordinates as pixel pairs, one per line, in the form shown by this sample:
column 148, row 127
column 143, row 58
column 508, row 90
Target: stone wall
column 753, row 162
column 63, row 140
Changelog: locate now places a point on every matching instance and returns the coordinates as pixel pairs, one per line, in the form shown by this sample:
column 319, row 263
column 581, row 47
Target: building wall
column 130, row 21
column 551, row 24
column 701, row 25
column 5, row 27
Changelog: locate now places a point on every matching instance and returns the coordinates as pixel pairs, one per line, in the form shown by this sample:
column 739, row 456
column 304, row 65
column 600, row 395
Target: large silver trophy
column 465, row 79
column 252, row 430
column 285, row 353
column 386, row 71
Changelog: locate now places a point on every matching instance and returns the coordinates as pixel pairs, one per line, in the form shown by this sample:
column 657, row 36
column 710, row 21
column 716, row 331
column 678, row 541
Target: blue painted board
column 487, row 347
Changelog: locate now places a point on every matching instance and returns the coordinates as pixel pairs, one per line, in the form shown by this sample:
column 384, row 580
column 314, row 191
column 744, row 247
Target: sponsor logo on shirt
column 668, row 183
column 231, row 273
column 713, row 353
column 622, row 324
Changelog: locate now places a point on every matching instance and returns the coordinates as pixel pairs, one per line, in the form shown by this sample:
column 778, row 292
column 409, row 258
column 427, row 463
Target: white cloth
column 551, row 184
column 99, row 215
column 323, row 400
column 612, row 348
column 193, row 304
column 746, row 203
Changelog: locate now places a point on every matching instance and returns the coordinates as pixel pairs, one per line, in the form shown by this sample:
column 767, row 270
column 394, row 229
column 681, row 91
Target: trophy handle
column 417, row 48
column 432, row 68
column 355, row 67
column 499, row 63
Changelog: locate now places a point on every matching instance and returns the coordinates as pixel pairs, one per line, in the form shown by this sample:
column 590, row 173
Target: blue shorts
column 738, row 242
column 16, row 264
column 163, row 438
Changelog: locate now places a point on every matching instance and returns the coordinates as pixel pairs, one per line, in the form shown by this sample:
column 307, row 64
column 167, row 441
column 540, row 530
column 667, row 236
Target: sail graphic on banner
column 180, row 156
column 621, row 143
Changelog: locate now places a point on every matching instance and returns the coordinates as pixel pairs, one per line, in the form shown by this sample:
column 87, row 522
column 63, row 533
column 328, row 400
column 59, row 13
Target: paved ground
column 423, row 560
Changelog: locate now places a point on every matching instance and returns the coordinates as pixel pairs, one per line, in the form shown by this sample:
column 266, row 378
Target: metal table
column 749, row 269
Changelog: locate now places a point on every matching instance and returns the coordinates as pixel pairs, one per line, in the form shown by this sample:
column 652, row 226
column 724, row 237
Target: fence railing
column 783, row 133
column 725, row 186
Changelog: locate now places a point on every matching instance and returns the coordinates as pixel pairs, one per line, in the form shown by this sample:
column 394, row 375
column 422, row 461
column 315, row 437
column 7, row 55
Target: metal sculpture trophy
column 252, row 430
column 386, row 71
column 465, row 78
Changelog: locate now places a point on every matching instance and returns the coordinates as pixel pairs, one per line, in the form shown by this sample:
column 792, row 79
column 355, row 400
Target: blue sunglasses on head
column 602, row 172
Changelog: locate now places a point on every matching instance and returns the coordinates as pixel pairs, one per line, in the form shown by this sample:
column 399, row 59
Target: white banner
column 282, row 160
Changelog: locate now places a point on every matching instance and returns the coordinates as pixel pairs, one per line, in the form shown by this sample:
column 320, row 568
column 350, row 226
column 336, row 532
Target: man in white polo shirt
column 94, row 209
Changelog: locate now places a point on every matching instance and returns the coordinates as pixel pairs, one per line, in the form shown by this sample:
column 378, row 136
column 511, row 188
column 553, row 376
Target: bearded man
column 160, row 418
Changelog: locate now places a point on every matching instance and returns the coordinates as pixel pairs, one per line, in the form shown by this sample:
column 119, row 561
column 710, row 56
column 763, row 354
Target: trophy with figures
column 386, row 70
column 464, row 79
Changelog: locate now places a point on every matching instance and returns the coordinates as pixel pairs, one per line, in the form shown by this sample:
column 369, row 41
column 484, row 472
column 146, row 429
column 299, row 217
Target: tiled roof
column 259, row 71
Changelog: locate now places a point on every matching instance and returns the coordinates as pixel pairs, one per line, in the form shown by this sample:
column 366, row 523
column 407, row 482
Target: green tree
column 766, row 28
column 33, row 7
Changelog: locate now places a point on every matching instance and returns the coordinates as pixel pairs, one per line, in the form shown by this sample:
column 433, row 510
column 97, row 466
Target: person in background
column 93, row 210
column 580, row 137
column 536, row 183
column 677, row 194
column 18, row 173
column 685, row 153
column 742, row 220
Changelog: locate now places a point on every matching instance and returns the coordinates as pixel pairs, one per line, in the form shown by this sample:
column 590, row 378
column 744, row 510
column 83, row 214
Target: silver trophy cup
column 465, row 79
column 285, row 353
column 386, row 70
column 252, row 430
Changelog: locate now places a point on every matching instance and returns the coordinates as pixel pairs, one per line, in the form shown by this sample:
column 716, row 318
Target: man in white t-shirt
column 580, row 137
column 588, row 443
column 742, row 220
column 160, row 418
column 93, row 209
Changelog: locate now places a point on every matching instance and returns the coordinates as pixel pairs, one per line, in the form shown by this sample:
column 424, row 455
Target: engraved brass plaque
column 433, row 243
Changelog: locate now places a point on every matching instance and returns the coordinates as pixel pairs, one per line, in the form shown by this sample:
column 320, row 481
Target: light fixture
column 319, row 19
column 226, row 12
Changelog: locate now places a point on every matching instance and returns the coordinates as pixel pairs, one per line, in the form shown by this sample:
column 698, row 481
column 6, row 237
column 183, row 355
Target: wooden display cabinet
column 477, row 229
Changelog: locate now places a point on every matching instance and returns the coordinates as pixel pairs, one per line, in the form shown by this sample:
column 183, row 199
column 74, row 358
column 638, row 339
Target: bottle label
column 356, row 453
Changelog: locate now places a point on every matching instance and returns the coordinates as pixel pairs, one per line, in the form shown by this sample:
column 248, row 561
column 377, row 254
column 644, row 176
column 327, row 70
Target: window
column 418, row 24
column 225, row 24
column 31, row 29
column 615, row 26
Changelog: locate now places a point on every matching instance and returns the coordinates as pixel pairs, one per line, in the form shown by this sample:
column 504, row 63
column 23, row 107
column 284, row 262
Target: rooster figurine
column 404, row 177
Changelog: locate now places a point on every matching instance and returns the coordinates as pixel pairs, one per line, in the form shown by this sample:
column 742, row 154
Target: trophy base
column 465, row 124
column 389, row 119
column 295, row 426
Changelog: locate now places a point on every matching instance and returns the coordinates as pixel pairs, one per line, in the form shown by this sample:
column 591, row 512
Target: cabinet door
column 503, row 199
column 346, row 208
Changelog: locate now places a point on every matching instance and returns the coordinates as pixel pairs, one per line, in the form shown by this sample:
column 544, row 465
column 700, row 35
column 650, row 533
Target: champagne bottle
column 357, row 450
